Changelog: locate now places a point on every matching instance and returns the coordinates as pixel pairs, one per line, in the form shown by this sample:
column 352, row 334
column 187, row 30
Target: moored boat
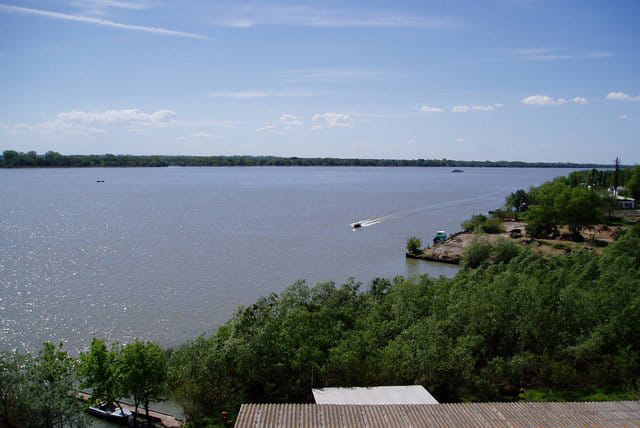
column 110, row 412
column 456, row 170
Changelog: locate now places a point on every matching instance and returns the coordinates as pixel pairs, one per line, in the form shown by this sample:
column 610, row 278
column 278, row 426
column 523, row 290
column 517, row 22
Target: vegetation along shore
column 560, row 325
column 582, row 210
column 15, row 159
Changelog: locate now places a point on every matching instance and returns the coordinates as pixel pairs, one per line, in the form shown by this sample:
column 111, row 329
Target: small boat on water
column 456, row 170
column 356, row 225
column 99, row 181
column 110, row 412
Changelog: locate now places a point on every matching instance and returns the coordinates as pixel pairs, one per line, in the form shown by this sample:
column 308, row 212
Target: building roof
column 517, row 414
column 409, row 394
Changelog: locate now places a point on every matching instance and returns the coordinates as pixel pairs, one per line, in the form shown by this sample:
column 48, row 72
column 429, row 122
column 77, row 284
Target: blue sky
column 504, row 79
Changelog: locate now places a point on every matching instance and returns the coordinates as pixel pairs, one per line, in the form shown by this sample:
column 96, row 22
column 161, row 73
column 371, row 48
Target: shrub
column 492, row 225
column 504, row 250
column 414, row 245
column 477, row 252
column 474, row 222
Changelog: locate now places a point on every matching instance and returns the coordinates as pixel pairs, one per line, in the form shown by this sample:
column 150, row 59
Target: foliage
column 414, row 245
column 45, row 394
column 633, row 184
column 482, row 250
column 482, row 223
column 474, row 222
column 556, row 203
column 518, row 200
column 477, row 252
column 98, row 370
column 14, row 159
column 12, row 379
column 561, row 323
column 504, row 250
column 142, row 370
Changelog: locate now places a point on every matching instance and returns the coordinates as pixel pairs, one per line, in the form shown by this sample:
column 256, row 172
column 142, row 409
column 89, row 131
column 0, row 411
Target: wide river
column 166, row 254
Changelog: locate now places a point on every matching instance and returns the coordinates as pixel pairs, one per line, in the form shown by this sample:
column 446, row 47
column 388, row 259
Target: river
column 166, row 254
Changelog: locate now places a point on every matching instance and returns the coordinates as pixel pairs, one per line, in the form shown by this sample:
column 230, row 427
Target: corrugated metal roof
column 592, row 414
column 406, row 394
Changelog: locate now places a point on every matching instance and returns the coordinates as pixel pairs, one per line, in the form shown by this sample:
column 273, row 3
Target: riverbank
column 451, row 251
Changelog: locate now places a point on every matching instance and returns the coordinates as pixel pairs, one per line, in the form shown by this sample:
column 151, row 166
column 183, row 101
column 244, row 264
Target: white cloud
column 466, row 108
column 309, row 16
column 289, row 120
column 109, row 117
column 544, row 100
column 332, row 120
column 621, row 96
column 460, row 109
column 428, row 109
column 96, row 21
column 540, row 100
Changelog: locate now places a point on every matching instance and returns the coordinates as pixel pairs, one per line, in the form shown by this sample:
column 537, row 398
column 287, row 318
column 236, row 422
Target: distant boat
column 99, row 181
column 356, row 225
column 456, row 170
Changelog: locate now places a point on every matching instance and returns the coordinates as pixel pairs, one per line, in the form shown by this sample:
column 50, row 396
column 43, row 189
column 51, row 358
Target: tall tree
column 50, row 390
column 98, row 370
column 142, row 369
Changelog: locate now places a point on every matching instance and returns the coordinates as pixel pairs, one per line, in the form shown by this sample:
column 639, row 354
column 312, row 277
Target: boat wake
column 431, row 207
column 372, row 221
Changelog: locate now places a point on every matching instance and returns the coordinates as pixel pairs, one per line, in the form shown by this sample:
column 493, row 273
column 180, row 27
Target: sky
column 528, row 80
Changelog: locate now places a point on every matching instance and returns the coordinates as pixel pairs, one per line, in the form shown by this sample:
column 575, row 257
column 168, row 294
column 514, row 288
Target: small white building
column 627, row 203
column 407, row 394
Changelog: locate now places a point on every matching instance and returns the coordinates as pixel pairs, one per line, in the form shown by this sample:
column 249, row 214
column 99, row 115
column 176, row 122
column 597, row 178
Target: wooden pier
column 161, row 418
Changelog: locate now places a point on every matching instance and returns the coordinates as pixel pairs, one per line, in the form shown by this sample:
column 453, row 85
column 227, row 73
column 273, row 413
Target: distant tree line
column 15, row 159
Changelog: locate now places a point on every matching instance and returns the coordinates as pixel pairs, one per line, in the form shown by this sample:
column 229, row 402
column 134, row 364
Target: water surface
column 166, row 254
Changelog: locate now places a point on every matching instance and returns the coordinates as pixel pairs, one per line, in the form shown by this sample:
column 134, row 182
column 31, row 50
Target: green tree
column 142, row 370
column 12, row 379
column 50, row 390
column 633, row 185
column 414, row 245
column 98, row 370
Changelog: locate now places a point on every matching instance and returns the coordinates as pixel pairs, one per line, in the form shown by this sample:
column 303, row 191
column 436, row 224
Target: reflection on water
column 166, row 254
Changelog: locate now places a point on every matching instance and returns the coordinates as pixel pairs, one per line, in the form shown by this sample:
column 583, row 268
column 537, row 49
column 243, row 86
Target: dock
column 163, row 419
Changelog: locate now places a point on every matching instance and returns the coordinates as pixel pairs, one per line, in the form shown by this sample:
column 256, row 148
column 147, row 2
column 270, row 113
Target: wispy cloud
column 428, row 109
column 4, row 8
column 102, row 7
column 332, row 120
column 308, row 16
column 552, row 54
column 621, row 96
column 466, row 108
column 246, row 95
column 545, row 100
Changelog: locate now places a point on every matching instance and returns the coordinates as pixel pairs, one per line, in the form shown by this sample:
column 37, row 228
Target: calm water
column 167, row 254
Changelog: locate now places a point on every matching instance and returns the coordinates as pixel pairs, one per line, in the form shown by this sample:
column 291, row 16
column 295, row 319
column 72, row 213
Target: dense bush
column 477, row 252
column 414, row 245
column 482, row 223
column 558, row 323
